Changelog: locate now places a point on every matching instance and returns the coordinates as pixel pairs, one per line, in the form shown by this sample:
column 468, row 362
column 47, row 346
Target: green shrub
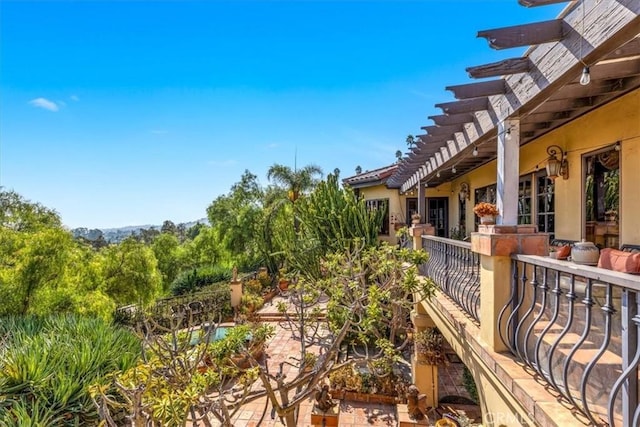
column 470, row 384
column 196, row 279
column 47, row 364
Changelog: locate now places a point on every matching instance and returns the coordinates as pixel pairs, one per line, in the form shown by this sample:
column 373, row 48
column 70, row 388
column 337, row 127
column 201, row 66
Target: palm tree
column 295, row 182
column 411, row 141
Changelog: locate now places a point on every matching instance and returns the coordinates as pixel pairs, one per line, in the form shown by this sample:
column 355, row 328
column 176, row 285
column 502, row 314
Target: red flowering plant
column 486, row 209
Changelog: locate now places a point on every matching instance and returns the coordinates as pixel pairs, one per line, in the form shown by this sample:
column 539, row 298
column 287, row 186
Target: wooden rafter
column 500, row 68
column 535, row 3
column 632, row 48
column 455, row 119
column 465, row 106
column 476, row 90
column 442, row 130
column 524, row 35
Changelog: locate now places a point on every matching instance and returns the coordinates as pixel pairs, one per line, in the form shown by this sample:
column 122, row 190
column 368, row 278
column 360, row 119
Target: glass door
column 438, row 215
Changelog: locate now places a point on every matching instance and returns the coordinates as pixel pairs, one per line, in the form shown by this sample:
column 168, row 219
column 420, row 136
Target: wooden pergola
column 541, row 90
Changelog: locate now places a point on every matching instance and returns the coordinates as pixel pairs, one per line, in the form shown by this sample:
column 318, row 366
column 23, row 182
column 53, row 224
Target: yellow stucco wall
column 396, row 206
column 617, row 121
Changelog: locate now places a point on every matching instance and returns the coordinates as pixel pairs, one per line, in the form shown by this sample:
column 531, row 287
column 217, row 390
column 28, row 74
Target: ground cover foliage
column 48, row 364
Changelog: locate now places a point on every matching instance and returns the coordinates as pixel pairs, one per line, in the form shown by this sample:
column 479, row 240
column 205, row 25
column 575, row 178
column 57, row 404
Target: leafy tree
column 203, row 250
column 130, row 273
column 169, row 227
column 184, row 376
column 146, row 235
column 237, row 220
column 166, row 250
column 36, row 260
column 193, row 231
column 19, row 214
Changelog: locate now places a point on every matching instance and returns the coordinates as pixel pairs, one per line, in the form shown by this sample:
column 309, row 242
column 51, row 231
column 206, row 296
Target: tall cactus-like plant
column 335, row 217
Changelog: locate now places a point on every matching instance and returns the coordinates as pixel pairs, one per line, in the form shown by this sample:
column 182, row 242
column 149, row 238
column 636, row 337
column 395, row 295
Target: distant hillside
column 115, row 235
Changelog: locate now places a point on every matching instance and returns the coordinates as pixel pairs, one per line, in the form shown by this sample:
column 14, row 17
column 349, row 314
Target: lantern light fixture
column 557, row 167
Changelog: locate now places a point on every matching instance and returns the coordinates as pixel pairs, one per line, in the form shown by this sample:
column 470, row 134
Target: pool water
column 197, row 336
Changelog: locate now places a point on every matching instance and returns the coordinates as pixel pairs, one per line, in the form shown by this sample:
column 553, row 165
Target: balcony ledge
column 536, row 401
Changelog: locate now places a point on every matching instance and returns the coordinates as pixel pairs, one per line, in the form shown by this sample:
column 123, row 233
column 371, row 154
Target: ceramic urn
column 585, row 253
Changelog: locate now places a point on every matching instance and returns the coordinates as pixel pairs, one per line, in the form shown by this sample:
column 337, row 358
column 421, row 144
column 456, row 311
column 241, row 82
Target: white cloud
column 44, row 103
column 273, row 145
column 74, row 98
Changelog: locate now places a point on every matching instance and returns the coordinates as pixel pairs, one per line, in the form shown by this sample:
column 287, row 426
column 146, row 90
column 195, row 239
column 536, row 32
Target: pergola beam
column 501, row 68
column 535, row 3
column 454, row 119
column 442, row 130
column 477, row 90
column 524, row 35
column 465, row 106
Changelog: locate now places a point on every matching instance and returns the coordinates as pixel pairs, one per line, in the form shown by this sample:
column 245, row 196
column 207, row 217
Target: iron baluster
column 534, row 289
column 556, row 311
column 588, row 303
column 608, row 310
column 571, row 297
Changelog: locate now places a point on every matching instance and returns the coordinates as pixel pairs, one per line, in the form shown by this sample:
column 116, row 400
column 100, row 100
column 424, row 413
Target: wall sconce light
column 464, row 193
column 475, row 151
column 557, row 167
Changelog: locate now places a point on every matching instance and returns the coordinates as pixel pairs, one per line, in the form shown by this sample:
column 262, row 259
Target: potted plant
column 428, row 344
column 283, row 281
column 309, row 361
column 487, row 212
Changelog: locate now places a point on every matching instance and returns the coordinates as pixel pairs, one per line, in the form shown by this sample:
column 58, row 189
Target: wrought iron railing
column 456, row 271
column 577, row 327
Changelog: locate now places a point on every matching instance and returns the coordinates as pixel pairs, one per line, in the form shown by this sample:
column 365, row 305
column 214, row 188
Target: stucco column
column 495, row 244
column 508, row 171
column 422, row 210
column 418, row 230
column 425, row 376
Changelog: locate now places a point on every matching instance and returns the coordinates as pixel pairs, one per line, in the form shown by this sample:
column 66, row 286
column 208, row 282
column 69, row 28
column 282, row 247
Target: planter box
column 355, row 396
column 269, row 295
column 328, row 418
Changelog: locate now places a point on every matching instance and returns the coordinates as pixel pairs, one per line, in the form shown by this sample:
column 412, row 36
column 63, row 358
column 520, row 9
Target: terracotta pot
column 283, row 284
column 487, row 219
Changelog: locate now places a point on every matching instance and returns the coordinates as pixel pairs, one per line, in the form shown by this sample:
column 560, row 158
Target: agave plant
column 47, row 365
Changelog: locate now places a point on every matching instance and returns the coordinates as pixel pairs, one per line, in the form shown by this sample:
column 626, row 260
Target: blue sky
column 132, row 112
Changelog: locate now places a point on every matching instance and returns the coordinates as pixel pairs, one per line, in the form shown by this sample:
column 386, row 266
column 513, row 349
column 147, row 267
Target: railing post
column 629, row 347
column 495, row 244
column 417, row 230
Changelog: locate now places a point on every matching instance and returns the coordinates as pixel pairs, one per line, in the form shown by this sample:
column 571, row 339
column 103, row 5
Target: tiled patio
column 352, row 414
column 281, row 347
